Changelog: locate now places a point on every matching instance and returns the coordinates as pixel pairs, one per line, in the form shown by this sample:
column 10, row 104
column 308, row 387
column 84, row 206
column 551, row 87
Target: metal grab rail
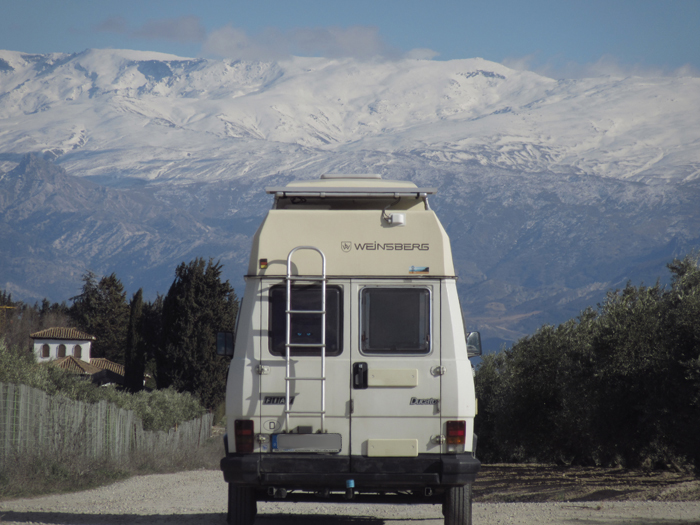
column 288, row 344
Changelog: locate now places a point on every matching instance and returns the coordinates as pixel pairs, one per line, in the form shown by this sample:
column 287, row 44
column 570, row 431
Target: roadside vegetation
column 157, row 409
column 35, row 474
column 170, row 341
column 618, row 386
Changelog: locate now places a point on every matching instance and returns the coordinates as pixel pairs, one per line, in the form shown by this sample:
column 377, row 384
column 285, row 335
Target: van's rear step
column 338, row 480
column 319, row 470
column 416, row 496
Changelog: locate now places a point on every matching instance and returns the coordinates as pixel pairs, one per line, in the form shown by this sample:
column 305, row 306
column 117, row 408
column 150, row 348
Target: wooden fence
column 31, row 421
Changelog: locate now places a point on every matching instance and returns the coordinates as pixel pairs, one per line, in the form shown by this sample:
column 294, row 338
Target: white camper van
column 350, row 378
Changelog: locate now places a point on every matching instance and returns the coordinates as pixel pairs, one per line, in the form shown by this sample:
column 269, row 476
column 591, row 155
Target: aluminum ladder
column 289, row 345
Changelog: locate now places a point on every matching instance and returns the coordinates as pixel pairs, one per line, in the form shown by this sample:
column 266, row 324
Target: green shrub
column 220, row 414
column 158, row 409
column 19, row 366
column 618, row 386
column 161, row 409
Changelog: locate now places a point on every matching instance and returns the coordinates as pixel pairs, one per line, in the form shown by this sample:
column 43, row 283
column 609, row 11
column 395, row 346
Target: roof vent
column 353, row 176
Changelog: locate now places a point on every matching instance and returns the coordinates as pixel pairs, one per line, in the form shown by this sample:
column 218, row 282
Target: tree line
column 171, row 338
column 617, row 386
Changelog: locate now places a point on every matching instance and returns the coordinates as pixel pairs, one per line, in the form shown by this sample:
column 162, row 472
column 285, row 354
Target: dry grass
column 25, row 476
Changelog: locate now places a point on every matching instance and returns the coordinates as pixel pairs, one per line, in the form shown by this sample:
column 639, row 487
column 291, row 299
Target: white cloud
column 231, row 42
column 422, row 53
column 336, row 42
column 523, row 63
column 359, row 42
column 112, row 24
column 605, row 66
column 182, row 29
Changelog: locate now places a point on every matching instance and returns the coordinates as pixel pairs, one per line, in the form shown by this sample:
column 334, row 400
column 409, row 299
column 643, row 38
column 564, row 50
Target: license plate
column 319, row 443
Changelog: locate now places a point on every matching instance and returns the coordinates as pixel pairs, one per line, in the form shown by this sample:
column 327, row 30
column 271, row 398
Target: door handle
column 359, row 376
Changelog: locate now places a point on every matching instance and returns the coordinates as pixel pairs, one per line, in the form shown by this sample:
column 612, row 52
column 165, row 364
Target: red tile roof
column 62, row 333
column 78, row 366
column 106, row 364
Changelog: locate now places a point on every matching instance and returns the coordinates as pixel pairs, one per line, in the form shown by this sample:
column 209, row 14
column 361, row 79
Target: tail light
column 244, row 430
column 456, row 436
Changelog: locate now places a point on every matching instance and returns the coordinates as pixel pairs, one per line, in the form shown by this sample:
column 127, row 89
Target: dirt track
column 200, row 497
column 539, row 483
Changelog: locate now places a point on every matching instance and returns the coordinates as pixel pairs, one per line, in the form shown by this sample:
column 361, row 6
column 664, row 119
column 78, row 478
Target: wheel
column 242, row 505
column 457, row 506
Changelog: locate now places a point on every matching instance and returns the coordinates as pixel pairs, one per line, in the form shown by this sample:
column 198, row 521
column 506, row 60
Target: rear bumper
column 318, row 471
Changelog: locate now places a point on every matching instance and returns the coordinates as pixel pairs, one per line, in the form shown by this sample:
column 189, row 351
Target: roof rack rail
column 315, row 191
column 351, row 176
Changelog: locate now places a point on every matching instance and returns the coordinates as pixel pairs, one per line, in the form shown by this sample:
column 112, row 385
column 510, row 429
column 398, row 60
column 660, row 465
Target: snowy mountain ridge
column 457, row 111
column 552, row 191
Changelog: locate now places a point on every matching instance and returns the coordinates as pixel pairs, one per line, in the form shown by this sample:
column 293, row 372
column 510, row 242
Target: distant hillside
column 552, row 191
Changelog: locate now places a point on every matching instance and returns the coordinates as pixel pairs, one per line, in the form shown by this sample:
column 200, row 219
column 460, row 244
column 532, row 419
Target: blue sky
column 565, row 38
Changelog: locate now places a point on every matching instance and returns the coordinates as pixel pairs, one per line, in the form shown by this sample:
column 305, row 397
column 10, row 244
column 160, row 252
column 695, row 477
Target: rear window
column 395, row 321
column 305, row 328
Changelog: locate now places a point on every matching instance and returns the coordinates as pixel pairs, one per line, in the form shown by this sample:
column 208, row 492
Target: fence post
column 10, row 415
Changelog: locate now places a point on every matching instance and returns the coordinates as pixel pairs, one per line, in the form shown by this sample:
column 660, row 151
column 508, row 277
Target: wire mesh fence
column 31, row 421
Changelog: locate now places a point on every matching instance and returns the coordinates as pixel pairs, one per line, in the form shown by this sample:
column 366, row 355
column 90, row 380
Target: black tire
column 242, row 505
column 457, row 506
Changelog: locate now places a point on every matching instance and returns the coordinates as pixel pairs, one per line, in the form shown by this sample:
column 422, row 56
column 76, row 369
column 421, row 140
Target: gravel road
column 200, row 497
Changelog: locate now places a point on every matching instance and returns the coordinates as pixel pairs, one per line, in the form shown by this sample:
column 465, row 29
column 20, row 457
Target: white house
column 54, row 343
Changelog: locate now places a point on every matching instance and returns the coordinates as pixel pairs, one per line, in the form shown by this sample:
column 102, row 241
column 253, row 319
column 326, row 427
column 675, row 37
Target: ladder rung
column 320, row 312
column 304, row 345
column 305, row 278
column 302, row 412
column 305, row 378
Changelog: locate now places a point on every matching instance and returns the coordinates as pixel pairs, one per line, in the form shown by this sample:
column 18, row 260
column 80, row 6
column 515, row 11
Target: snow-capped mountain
column 552, row 191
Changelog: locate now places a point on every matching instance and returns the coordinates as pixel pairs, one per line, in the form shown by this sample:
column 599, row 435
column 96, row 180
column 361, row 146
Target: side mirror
column 473, row 344
column 224, row 344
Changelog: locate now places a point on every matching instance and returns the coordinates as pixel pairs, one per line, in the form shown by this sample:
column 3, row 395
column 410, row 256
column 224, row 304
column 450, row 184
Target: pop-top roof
column 336, row 185
column 360, row 225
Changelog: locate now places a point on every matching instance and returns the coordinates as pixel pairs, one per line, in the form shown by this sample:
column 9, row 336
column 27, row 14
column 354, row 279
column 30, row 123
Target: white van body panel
column 372, row 393
column 458, row 400
column 375, row 249
column 243, row 383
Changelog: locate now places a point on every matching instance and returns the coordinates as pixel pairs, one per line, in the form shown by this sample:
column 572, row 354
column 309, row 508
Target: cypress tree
column 197, row 306
column 134, row 356
column 101, row 310
column 151, row 335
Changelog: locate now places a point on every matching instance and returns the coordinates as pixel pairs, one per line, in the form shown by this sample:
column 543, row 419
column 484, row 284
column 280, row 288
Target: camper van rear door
column 395, row 342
